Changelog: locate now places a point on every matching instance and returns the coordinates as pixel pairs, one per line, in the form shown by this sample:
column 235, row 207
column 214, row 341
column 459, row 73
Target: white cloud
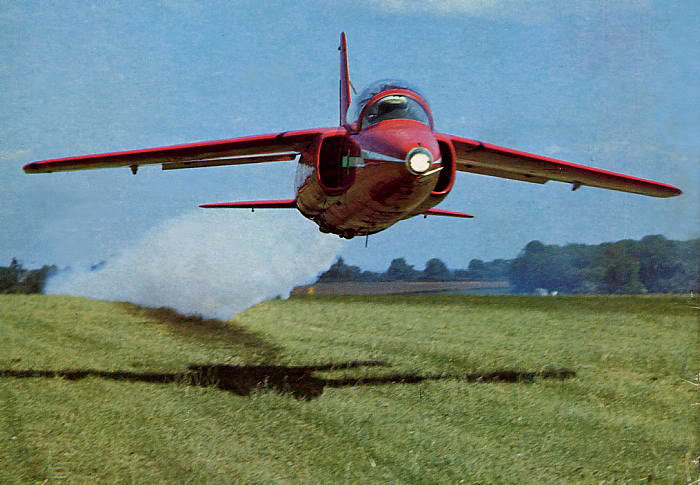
column 13, row 155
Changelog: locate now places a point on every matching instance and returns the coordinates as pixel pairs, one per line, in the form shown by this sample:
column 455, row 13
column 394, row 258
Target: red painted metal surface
column 362, row 177
column 283, row 142
column 487, row 159
column 395, row 138
column 254, row 204
column 441, row 212
column 344, row 79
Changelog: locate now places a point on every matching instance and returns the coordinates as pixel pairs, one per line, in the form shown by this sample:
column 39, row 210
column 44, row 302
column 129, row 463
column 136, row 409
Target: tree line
column 435, row 270
column 16, row 279
column 652, row 265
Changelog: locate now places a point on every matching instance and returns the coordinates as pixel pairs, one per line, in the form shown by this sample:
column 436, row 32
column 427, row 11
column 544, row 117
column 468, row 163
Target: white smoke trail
column 210, row 263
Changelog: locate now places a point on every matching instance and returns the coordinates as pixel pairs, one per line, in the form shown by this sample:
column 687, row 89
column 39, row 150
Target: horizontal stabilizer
column 254, row 204
column 440, row 212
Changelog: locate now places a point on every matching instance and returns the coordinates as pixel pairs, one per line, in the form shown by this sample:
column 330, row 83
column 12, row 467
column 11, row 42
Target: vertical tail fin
column 344, row 79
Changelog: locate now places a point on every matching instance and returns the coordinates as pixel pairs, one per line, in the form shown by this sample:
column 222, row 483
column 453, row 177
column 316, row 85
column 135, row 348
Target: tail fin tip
column 344, row 79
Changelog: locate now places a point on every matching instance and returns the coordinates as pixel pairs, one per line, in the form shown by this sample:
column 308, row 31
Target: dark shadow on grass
column 297, row 381
column 207, row 330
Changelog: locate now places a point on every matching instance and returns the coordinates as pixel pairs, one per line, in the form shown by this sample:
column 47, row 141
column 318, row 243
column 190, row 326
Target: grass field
column 382, row 389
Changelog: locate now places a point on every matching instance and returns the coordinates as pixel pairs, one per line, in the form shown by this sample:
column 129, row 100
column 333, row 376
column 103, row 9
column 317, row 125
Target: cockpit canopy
column 391, row 106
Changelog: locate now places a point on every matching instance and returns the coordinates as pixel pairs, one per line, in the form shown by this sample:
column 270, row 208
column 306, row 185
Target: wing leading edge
column 251, row 149
column 254, row 204
column 487, row 159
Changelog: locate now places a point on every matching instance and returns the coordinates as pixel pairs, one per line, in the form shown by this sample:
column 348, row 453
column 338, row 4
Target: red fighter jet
column 384, row 163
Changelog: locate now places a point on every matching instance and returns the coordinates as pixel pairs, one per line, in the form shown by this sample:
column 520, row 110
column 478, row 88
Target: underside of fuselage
column 360, row 183
column 383, row 194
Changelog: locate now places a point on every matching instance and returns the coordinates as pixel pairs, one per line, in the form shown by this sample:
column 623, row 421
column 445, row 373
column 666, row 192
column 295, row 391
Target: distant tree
column 16, row 279
column 550, row 267
column 462, row 275
column 477, row 269
column 660, row 262
column 339, row 271
column 371, row 276
column 622, row 276
column 534, row 248
column 6, row 279
column 688, row 279
column 498, row 269
column 527, row 271
column 10, row 276
column 399, row 270
column 436, row 270
column 563, row 276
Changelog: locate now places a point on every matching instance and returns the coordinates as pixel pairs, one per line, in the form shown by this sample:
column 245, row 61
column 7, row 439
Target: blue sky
column 609, row 84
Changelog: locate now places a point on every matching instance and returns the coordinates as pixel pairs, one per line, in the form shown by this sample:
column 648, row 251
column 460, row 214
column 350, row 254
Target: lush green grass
column 406, row 389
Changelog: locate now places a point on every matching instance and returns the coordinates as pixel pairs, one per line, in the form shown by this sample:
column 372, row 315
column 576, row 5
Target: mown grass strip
column 412, row 389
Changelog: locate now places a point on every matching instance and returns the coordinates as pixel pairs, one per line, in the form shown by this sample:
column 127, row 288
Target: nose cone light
column 418, row 160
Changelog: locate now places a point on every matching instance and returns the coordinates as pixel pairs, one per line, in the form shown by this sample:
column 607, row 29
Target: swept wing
column 250, row 149
column 254, row 204
column 487, row 159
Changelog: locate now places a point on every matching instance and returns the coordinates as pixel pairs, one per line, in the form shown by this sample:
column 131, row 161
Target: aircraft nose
column 401, row 140
column 419, row 160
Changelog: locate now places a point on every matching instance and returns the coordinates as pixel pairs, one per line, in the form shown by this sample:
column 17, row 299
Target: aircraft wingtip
column 32, row 167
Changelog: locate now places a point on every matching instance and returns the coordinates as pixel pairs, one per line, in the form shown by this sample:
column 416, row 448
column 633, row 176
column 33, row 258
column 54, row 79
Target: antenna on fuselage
column 344, row 79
